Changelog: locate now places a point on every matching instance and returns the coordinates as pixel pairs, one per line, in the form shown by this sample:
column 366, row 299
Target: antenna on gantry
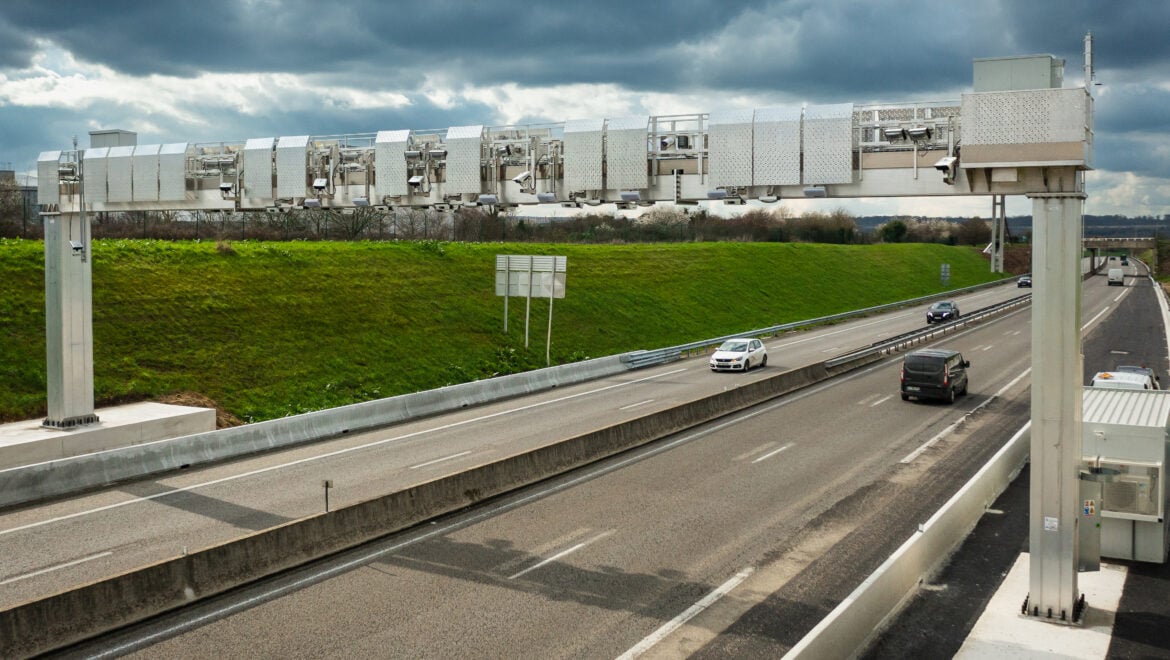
column 1090, row 72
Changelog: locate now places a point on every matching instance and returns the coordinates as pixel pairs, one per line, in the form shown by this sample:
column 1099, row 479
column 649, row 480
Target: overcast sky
column 213, row 70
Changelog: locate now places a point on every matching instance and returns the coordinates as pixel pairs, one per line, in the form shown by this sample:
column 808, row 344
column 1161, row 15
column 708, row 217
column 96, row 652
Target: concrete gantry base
column 1003, row 632
column 29, row 442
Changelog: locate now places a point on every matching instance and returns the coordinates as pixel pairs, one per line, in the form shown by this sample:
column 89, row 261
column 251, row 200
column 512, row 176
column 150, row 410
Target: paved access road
column 771, row 515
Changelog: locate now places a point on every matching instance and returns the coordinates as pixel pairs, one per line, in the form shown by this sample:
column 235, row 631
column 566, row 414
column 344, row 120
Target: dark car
column 1025, row 281
column 934, row 373
column 944, row 310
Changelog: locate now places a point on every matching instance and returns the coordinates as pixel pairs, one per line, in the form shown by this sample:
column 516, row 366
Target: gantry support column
column 998, row 231
column 1056, row 405
column 68, row 320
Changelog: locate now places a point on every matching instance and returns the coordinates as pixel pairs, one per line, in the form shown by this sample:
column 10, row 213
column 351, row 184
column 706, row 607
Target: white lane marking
column 562, row 553
column 487, row 513
column 950, row 429
column 988, row 347
column 867, row 399
column 830, row 350
column 635, row 405
column 1120, row 296
column 772, row 453
column 56, row 568
column 440, row 460
column 881, row 400
column 331, row 454
column 1117, row 352
column 1094, row 319
column 327, row 573
column 764, row 447
column 690, row 613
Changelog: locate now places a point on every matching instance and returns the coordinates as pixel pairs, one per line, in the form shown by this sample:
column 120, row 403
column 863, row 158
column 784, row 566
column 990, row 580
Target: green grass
column 273, row 329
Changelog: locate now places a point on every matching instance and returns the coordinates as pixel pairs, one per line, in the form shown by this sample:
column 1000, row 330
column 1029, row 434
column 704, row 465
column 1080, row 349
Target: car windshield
column 734, row 346
column 941, row 306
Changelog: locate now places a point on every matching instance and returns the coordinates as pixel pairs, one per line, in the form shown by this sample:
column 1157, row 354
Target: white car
column 739, row 355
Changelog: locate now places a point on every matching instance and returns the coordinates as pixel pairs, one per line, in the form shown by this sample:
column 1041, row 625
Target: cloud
column 232, row 69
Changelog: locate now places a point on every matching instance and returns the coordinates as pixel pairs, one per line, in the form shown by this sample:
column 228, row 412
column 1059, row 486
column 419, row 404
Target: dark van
column 934, row 373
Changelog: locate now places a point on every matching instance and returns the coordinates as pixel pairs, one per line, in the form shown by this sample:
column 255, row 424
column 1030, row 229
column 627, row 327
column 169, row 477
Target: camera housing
column 947, row 165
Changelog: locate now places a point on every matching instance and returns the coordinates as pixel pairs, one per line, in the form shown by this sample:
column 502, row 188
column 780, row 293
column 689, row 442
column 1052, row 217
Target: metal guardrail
column 648, row 358
column 916, row 337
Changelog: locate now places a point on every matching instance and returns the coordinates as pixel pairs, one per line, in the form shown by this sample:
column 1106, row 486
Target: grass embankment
column 271, row 329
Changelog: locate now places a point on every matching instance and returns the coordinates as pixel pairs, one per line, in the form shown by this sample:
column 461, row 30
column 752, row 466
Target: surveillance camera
column 522, row 177
column 225, row 188
column 415, row 181
column 76, row 245
column 946, row 164
column 320, row 184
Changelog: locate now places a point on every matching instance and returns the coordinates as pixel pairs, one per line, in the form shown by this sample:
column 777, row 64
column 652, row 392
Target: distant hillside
column 272, row 329
column 1095, row 225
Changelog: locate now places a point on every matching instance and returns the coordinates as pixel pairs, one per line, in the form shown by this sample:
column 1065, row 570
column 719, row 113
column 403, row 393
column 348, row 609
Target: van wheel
column 964, row 392
column 951, row 395
column 905, row 397
column 764, row 362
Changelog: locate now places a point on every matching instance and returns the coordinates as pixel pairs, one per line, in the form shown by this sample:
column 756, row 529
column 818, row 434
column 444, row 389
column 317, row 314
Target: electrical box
column 1126, row 433
column 1005, row 74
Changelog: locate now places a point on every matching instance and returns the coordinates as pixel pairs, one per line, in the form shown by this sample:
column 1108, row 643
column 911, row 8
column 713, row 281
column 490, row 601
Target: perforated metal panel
column 172, row 168
column 292, row 166
column 48, row 179
column 258, row 167
column 390, row 163
column 729, row 145
column 776, row 147
column 828, row 144
column 584, row 152
column 625, row 153
column 464, row 151
column 95, row 175
column 146, row 172
column 1034, row 116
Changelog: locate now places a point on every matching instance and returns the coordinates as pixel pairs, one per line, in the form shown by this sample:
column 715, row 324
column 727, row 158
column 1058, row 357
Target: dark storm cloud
column 16, row 46
column 26, row 132
column 816, row 51
column 1127, row 35
column 826, row 50
column 1132, row 153
column 502, row 39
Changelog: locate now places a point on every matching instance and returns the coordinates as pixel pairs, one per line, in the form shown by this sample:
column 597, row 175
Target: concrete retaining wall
column 65, row 618
column 75, row 474
column 846, row 631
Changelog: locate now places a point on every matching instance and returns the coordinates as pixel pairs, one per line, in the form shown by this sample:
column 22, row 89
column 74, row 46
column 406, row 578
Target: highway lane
column 59, row 544
column 741, row 505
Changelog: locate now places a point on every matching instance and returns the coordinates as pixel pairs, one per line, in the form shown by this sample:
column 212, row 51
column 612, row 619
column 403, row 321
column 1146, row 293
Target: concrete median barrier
column 64, row 476
column 68, row 617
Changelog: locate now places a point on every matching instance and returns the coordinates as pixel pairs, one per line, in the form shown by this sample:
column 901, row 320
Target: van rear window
column 924, row 365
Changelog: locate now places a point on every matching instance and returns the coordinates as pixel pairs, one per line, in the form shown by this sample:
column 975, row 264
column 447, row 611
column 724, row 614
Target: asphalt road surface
column 732, row 539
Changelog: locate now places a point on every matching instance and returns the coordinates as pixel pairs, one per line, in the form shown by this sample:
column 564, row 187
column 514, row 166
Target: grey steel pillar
column 68, row 320
column 998, row 231
column 1056, row 405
